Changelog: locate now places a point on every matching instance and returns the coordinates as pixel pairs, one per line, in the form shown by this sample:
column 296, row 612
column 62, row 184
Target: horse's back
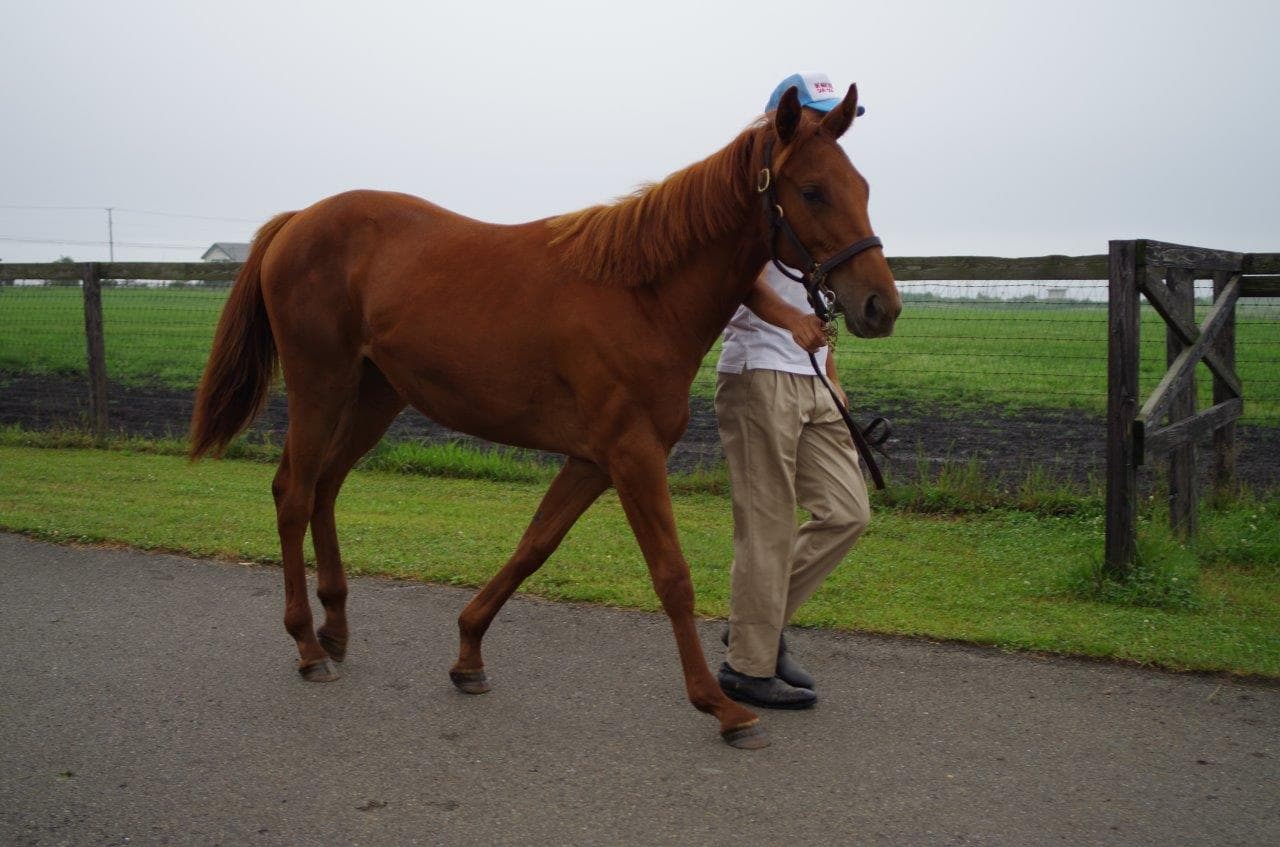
column 420, row 290
column 381, row 258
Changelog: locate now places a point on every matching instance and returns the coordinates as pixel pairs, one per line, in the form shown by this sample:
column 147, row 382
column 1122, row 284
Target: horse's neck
column 701, row 296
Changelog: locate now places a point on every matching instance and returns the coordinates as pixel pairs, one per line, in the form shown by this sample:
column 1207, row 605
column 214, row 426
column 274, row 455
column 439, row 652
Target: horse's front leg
column 575, row 488
column 640, row 475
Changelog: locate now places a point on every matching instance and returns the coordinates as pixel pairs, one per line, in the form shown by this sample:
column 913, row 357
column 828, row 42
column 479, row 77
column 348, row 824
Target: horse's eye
column 811, row 194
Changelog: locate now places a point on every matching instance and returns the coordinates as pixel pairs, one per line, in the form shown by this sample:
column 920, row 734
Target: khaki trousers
column 785, row 443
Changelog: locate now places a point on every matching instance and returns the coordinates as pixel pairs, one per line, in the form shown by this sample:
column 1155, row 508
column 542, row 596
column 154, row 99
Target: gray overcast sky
column 1005, row 128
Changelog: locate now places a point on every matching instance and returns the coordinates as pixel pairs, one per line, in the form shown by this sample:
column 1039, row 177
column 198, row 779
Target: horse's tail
column 243, row 359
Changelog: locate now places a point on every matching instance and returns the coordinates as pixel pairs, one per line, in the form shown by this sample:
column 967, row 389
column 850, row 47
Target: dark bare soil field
column 1064, row 444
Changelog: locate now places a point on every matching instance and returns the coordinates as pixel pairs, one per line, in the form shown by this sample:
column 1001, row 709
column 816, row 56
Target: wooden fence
column 92, row 274
column 1164, row 273
column 1168, row 422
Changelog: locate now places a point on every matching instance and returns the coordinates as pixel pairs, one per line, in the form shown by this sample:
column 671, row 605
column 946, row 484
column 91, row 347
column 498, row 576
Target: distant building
column 226, row 251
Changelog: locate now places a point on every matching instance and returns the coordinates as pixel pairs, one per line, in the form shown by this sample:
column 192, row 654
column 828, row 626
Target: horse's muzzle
column 876, row 316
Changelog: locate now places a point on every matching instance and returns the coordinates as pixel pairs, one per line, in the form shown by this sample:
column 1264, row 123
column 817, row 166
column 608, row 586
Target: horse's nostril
column 871, row 311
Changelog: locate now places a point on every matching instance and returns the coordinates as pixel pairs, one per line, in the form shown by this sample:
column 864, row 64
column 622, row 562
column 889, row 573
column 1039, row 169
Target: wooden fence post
column 1224, row 437
column 1182, row 460
column 1122, row 404
column 97, row 356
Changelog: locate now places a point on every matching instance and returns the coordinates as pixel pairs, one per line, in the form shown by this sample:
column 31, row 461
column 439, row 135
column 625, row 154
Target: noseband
column 814, row 279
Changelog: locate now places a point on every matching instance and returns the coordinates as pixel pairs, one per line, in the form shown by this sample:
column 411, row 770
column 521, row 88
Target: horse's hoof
column 336, row 649
column 750, row 737
column 321, row 671
column 470, row 682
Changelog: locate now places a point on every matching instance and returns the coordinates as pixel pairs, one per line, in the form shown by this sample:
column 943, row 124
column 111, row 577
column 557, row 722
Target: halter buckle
column 762, row 182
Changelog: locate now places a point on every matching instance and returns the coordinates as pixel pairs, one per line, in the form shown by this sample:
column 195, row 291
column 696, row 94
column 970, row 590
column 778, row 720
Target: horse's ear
column 787, row 118
column 839, row 118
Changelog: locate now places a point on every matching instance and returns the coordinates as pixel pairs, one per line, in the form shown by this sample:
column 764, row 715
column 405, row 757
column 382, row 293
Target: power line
column 53, row 208
column 193, row 217
column 131, row 211
column 76, row 243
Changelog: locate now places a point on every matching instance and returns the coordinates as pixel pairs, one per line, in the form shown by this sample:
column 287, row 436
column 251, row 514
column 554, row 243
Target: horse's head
column 823, row 198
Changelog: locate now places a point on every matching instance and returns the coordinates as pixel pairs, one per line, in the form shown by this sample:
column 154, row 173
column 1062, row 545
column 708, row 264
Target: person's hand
column 807, row 332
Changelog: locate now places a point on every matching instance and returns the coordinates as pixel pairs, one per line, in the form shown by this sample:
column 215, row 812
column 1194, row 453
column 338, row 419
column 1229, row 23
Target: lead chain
column 831, row 330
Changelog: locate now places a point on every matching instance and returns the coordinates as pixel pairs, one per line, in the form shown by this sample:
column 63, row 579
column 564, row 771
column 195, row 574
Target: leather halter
column 821, row 299
column 814, row 279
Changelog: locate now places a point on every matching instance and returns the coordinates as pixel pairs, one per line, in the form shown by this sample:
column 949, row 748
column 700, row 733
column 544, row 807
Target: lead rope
column 876, row 433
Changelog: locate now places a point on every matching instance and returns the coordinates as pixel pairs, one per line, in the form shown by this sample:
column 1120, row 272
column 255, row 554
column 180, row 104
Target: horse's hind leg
column 363, row 424
column 312, row 422
column 575, row 488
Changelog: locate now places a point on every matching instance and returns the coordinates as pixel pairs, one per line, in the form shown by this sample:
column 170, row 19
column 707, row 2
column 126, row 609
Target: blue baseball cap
column 815, row 90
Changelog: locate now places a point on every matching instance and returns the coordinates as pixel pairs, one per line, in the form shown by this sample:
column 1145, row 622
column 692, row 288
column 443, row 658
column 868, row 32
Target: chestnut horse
column 579, row 335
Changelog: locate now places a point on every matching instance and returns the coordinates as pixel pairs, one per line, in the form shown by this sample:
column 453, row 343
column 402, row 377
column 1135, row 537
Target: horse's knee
column 675, row 592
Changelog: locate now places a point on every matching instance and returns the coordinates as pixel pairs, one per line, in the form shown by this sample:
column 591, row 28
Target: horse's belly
column 488, row 401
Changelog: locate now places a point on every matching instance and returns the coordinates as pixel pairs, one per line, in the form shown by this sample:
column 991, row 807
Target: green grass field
column 1006, row 577
column 972, row 353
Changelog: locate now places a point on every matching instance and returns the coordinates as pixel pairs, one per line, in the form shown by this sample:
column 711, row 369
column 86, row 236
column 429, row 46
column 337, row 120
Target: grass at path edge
column 1000, row 578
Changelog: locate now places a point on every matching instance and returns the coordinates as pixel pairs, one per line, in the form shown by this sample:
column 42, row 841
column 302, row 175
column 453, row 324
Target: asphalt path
column 151, row 699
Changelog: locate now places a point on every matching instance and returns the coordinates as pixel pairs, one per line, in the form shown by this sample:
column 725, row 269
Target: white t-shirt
column 751, row 343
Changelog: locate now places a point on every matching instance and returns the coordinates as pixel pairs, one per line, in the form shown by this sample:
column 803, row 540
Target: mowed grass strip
column 994, row 578
column 993, row 354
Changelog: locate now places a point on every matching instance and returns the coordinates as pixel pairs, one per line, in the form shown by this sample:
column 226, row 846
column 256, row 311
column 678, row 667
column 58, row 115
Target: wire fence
column 972, row 367
column 1004, row 346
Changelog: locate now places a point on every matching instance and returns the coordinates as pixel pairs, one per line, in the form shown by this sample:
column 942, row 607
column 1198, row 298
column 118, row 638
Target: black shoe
column 788, row 669
column 767, row 692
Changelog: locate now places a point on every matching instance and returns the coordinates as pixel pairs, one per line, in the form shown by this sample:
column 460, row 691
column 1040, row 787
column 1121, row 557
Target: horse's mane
column 634, row 239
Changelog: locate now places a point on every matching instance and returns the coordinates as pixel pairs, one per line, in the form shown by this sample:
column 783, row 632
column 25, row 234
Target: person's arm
column 805, row 328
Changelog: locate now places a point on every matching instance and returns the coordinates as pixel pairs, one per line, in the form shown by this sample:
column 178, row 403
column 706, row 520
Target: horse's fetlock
column 706, row 705
column 330, row 597
column 297, row 625
column 470, row 630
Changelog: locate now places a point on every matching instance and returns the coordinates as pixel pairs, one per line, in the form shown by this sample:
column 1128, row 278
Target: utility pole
column 111, row 238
